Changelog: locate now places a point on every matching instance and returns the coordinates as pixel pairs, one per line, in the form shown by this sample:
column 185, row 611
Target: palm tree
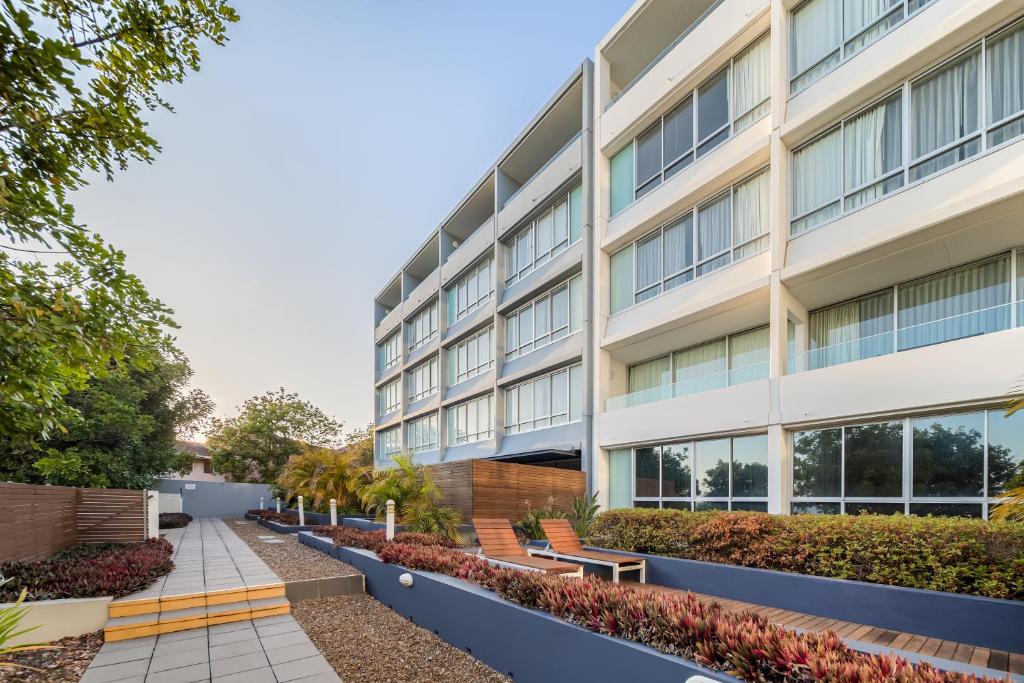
column 407, row 483
column 1011, row 507
column 320, row 474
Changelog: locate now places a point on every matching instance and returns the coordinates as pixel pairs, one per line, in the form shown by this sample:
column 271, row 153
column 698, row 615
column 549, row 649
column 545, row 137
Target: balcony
column 696, row 385
column 565, row 164
column 465, row 252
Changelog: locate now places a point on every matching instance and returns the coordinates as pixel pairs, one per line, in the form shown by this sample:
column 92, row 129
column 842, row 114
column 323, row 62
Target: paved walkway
column 209, row 556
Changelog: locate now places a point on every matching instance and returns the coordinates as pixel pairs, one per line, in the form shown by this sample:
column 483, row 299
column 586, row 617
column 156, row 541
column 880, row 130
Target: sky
column 308, row 159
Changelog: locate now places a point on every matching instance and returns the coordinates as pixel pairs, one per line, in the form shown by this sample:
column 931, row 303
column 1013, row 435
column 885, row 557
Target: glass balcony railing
column 696, row 385
column 975, row 323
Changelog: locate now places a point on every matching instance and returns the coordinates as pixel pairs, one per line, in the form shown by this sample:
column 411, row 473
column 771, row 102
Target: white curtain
column 526, row 327
column 859, row 14
column 561, row 222
column 560, row 397
column 700, row 368
column 816, row 33
column 944, row 106
column 751, row 83
column 575, row 303
column 873, row 143
column 650, row 374
column 1004, row 64
column 560, row 310
column 621, row 276
column 959, row 303
column 542, row 318
column 575, row 393
column 817, row 181
column 746, row 350
column 545, row 235
column 648, row 267
column 713, row 228
column 751, row 206
column 850, row 331
column 679, row 245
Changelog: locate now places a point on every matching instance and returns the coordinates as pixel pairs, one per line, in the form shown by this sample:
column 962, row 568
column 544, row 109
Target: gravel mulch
column 290, row 560
column 64, row 663
column 367, row 642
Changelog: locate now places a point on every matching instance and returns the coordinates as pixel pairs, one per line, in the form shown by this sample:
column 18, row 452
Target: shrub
column 88, row 571
column 289, row 518
column 944, row 554
column 529, row 525
column 174, row 520
column 374, row 540
column 320, row 474
column 746, row 645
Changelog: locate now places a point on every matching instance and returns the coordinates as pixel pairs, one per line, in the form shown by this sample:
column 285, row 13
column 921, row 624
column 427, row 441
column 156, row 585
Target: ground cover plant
column 174, row 520
column 945, row 554
column 375, row 540
column 88, row 571
column 745, row 645
column 289, row 518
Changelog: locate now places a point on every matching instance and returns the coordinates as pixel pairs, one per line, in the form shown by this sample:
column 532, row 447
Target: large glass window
column 422, row 326
column 861, row 159
column 423, row 380
column 922, row 465
column 547, row 318
column 727, row 473
column 731, row 226
column 472, row 291
column 731, row 100
column 544, row 401
column 543, row 238
column 976, row 298
column 471, row 420
column 389, row 352
column 388, row 398
column 423, row 434
column 387, row 442
column 824, row 33
column 471, row 356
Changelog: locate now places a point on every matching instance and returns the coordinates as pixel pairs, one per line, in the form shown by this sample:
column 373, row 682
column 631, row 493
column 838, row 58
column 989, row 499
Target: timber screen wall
column 37, row 521
column 484, row 488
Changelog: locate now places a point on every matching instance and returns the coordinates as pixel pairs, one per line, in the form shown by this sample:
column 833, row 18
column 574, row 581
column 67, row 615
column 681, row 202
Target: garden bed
column 63, row 663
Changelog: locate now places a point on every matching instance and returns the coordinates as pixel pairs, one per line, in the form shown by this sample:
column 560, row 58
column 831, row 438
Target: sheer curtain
column 851, row 330
column 816, row 34
column 648, row 267
column 700, row 368
column 959, row 303
column 651, row 378
column 873, row 143
column 859, row 14
column 621, row 280
column 748, row 356
column 750, row 215
column 1004, row 66
column 817, row 182
column 713, row 228
column 751, row 81
column 944, row 106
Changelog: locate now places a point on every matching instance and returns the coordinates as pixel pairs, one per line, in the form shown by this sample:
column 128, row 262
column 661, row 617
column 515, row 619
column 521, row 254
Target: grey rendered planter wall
column 530, row 646
column 988, row 622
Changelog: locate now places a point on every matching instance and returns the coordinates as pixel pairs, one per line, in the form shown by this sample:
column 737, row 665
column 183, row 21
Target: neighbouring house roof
column 195, row 449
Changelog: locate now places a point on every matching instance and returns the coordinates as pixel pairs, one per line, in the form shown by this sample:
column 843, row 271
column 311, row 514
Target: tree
column 76, row 77
column 360, row 444
column 254, row 445
column 416, row 498
column 320, row 474
column 122, row 426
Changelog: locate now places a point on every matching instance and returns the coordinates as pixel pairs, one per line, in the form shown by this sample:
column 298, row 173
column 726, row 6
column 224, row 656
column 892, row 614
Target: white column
column 390, row 533
column 302, row 514
column 334, row 512
column 153, row 513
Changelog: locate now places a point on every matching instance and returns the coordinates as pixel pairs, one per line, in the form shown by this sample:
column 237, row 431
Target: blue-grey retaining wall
column 525, row 644
column 988, row 622
column 217, row 498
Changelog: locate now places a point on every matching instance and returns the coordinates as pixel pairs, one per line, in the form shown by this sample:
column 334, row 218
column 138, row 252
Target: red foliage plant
column 287, row 518
column 88, row 571
column 374, row 540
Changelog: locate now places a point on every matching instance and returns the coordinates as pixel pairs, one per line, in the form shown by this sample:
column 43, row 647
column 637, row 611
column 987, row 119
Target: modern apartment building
column 483, row 339
column 804, row 290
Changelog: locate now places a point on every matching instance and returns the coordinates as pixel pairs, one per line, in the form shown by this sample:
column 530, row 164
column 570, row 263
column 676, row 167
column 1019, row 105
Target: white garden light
column 405, row 579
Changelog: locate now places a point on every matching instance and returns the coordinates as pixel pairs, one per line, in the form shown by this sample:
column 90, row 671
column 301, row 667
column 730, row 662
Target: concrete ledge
column 58, row 619
column 312, row 589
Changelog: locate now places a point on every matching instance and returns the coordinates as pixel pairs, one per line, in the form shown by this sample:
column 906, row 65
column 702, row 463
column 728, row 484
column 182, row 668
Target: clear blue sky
column 307, row 160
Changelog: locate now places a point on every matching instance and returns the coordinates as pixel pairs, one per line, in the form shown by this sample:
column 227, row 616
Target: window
column 423, row 434
column 387, row 443
column 471, row 420
column 472, row 291
column 388, row 353
column 735, row 359
column 973, row 299
column 547, row 318
column 388, row 398
column 544, row 401
column 923, row 465
column 731, row 226
column 727, row 473
column 876, row 151
column 542, row 239
column 423, row 380
column 827, row 32
column 471, row 356
column 423, row 326
column 731, row 100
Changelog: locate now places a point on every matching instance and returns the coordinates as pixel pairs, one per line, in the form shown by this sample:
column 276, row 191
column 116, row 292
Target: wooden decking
column 997, row 660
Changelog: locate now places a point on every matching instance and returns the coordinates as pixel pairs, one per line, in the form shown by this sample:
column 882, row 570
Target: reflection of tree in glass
column 647, row 472
column 675, row 473
column 874, row 460
column 714, row 482
column 749, row 479
column 948, row 462
column 1005, row 469
column 816, row 461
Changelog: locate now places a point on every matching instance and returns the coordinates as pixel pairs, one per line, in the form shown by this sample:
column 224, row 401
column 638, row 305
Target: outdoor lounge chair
column 563, row 543
column 498, row 543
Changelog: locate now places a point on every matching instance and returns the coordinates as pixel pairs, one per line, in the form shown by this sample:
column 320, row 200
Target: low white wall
column 58, row 619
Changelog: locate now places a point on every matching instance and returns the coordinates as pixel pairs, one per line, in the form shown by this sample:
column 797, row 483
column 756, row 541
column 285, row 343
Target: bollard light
column 334, row 512
column 261, row 502
column 278, row 505
column 390, row 533
column 302, row 515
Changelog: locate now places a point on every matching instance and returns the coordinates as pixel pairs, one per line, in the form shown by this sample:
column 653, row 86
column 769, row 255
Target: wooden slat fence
column 37, row 521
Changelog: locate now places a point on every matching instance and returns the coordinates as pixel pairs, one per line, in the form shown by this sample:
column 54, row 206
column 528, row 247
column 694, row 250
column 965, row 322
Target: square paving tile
column 302, row 668
column 280, row 655
column 233, row 636
column 107, row 657
column 229, row 650
column 264, row 675
column 284, row 640
column 172, row 646
column 234, row 665
column 113, row 672
column 178, row 660
column 184, row 674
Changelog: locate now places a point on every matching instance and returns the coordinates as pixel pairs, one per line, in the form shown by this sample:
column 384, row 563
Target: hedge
column 944, row 554
column 89, row 571
column 745, row 645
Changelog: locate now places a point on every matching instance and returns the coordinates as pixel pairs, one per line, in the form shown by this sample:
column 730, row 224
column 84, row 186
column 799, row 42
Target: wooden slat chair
column 563, row 543
column 498, row 543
